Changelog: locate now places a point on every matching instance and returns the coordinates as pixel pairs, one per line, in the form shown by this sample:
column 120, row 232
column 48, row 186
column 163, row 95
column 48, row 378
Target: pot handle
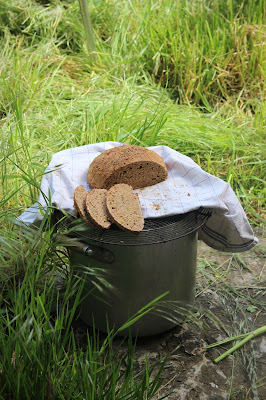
column 96, row 252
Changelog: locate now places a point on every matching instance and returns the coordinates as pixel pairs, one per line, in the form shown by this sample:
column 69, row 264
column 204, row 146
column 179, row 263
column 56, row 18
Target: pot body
column 139, row 274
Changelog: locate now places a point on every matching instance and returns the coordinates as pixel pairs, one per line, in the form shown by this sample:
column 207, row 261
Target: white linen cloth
column 187, row 188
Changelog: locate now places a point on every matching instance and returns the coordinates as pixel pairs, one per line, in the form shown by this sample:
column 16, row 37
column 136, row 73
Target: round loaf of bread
column 79, row 203
column 96, row 207
column 124, row 209
column 133, row 165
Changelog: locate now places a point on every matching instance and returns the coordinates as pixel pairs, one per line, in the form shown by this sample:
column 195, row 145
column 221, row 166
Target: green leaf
column 252, row 309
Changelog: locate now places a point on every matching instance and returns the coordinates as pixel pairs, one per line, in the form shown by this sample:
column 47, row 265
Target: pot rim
column 155, row 231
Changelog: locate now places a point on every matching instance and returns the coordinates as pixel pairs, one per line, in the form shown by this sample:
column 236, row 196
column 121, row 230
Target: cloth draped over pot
column 187, row 188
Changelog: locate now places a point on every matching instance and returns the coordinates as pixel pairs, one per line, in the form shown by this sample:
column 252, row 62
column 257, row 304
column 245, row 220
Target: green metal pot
column 139, row 268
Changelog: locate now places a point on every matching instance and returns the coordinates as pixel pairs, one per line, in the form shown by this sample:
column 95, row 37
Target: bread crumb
column 156, row 206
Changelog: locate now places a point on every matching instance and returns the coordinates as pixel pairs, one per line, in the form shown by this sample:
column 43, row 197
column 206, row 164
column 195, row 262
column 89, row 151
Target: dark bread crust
column 124, row 209
column 79, row 204
column 96, row 207
column 134, row 165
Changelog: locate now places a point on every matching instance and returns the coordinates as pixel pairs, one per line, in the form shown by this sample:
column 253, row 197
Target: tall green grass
column 160, row 63
column 209, row 53
column 63, row 113
column 151, row 56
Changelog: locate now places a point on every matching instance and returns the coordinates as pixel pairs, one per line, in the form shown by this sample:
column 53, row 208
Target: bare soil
column 231, row 300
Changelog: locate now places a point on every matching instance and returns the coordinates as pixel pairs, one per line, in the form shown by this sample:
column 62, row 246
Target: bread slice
column 79, row 204
column 133, row 165
column 124, row 209
column 76, row 213
column 96, row 207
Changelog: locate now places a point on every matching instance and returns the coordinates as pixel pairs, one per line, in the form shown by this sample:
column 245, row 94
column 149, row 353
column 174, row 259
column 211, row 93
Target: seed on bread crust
column 124, row 209
column 96, row 207
column 79, row 203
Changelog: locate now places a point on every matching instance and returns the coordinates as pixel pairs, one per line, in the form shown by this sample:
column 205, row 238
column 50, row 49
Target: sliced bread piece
column 96, row 207
column 124, row 209
column 134, row 165
column 79, row 204
column 76, row 213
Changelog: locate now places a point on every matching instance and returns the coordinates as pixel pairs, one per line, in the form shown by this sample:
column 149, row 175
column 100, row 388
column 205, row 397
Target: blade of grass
column 88, row 29
column 248, row 337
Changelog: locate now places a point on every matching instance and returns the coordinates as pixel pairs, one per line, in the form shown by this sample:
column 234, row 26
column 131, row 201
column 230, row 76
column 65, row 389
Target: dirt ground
column 233, row 290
